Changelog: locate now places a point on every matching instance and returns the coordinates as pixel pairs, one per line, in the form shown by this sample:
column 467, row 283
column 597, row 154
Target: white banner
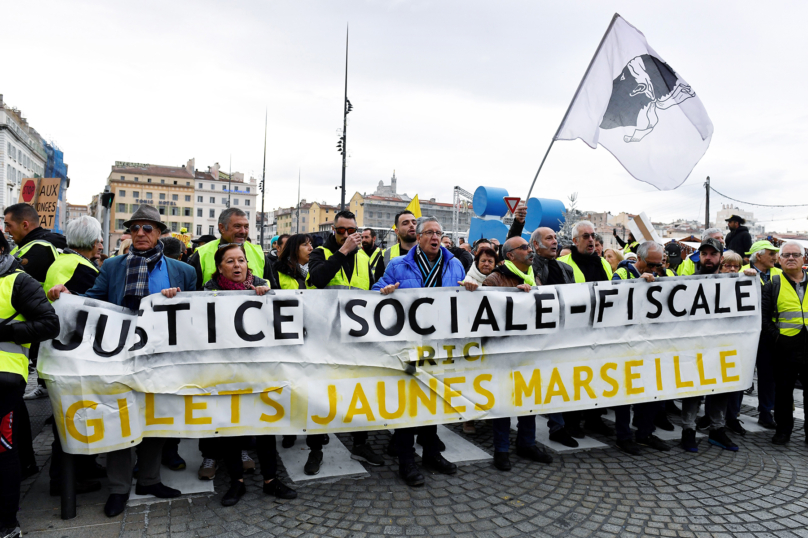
column 314, row 361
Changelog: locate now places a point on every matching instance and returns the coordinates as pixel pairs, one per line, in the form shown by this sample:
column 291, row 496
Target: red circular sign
column 28, row 190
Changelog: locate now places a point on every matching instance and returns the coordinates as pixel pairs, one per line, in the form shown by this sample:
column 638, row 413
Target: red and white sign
column 512, row 202
column 28, row 190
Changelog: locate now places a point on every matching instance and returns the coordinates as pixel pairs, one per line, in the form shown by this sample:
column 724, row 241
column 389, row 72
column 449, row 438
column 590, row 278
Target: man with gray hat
column 124, row 281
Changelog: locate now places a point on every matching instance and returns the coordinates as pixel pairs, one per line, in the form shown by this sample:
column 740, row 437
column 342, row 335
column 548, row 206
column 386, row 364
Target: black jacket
column 464, row 256
column 561, row 272
column 321, row 271
column 29, row 299
column 38, row 259
column 590, row 265
column 739, row 241
column 786, row 348
column 83, row 277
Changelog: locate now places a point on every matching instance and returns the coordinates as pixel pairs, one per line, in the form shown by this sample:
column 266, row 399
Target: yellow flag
column 414, row 207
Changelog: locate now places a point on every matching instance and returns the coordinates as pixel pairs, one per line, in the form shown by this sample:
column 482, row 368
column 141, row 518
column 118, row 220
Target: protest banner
column 211, row 364
column 185, row 238
column 43, row 194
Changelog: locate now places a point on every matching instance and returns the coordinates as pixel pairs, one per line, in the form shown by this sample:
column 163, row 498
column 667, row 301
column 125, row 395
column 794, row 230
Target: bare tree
column 571, row 215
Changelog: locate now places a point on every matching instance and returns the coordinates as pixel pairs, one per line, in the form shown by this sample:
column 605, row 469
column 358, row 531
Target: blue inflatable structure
column 490, row 207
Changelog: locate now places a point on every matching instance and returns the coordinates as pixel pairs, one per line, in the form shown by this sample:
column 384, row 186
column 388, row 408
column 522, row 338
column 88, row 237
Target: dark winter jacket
column 502, row 277
column 29, row 299
column 464, row 256
column 739, row 241
column 39, row 258
column 321, row 271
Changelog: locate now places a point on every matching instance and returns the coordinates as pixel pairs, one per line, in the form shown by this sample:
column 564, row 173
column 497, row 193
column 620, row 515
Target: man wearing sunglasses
column 340, row 263
column 124, row 281
column 649, row 259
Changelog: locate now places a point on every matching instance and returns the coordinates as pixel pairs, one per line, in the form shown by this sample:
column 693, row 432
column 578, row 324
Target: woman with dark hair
column 291, row 260
column 232, row 273
column 485, row 262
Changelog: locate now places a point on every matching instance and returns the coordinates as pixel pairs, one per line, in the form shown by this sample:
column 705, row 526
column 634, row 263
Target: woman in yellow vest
column 74, row 268
column 294, row 256
column 26, row 317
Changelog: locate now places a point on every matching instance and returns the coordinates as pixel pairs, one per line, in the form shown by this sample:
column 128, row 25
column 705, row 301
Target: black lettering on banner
column 604, row 304
column 171, row 310
column 653, row 300
column 394, row 329
column 485, row 308
column 140, row 332
column 239, row 321
column 718, row 308
column 509, row 325
column 211, row 323
column 278, row 319
column 540, row 311
column 76, row 336
column 413, row 312
column 739, row 296
column 630, row 303
column 453, row 312
column 99, row 337
column 363, row 325
column 672, row 296
column 700, row 302
column 578, row 309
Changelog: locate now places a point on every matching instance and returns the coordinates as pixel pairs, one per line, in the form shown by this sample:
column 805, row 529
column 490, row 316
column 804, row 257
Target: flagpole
column 574, row 97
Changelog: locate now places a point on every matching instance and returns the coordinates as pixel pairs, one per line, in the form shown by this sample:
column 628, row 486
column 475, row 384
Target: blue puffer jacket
column 404, row 270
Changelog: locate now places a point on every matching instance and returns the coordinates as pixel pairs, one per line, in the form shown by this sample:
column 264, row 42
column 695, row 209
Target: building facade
column 74, row 211
column 215, row 191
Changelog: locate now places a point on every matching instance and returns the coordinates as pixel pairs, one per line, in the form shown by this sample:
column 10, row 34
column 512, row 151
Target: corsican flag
column 639, row 108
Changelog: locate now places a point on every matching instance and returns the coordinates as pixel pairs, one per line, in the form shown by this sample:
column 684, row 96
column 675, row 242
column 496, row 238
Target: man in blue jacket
column 124, row 281
column 428, row 265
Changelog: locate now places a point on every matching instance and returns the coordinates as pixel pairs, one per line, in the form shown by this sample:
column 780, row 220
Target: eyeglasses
column 649, row 264
column 791, row 255
column 342, row 230
column 225, row 245
column 522, row 247
column 731, row 266
column 430, row 233
column 135, row 228
column 588, row 236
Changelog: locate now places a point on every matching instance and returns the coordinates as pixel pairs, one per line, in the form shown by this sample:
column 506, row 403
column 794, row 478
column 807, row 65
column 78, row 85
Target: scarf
column 227, row 284
column 430, row 272
column 139, row 263
column 527, row 278
column 6, row 261
column 474, row 275
column 590, row 265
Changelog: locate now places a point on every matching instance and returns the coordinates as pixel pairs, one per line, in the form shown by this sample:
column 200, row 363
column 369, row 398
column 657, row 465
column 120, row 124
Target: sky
column 445, row 93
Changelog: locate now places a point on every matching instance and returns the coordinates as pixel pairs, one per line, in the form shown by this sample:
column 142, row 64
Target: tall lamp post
column 263, row 182
column 342, row 144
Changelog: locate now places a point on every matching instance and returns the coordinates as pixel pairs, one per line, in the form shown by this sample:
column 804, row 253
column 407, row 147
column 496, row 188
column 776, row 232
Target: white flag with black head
column 639, row 108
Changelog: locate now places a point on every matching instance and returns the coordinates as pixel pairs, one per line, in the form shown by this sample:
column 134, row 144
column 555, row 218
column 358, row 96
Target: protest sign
column 210, row 364
column 43, row 194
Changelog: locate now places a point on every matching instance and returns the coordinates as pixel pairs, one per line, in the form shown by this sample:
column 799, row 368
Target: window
column 199, row 199
column 136, row 194
column 370, row 213
column 235, row 201
column 148, row 196
column 187, row 197
column 224, row 187
column 199, row 226
column 174, row 227
column 162, row 196
column 302, row 219
column 147, row 181
column 248, row 189
column 199, row 212
column 162, row 181
column 123, row 178
column 224, row 201
column 162, row 210
column 186, row 211
column 212, row 200
column 175, row 211
column 210, row 229
column 186, row 225
column 136, row 179
column 119, row 224
column 248, row 215
column 388, row 215
column 247, row 202
column 175, row 197
column 200, row 185
column 121, row 193
column 187, row 183
column 175, row 183
column 121, row 208
column 212, row 186
column 212, row 214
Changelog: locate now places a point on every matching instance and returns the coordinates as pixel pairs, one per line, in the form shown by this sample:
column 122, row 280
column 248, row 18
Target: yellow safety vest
column 773, row 271
column 687, row 267
column 392, row 252
column 670, row 272
column 255, row 259
column 20, row 252
column 360, row 279
column 13, row 357
column 791, row 315
column 374, row 258
column 579, row 276
column 61, row 271
column 627, row 248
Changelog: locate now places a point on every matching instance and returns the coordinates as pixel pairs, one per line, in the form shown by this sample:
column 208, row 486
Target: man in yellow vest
column 785, row 322
column 26, row 317
column 340, row 263
column 587, row 266
column 691, row 264
column 234, row 227
column 35, row 246
column 405, row 235
column 369, row 246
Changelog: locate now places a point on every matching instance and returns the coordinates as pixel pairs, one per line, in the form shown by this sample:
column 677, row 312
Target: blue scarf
column 430, row 272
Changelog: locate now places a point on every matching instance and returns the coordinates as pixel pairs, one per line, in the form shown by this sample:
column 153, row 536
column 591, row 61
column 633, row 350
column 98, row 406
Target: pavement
column 761, row 490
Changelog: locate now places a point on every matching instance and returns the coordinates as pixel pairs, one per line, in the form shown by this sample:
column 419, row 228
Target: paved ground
column 758, row 491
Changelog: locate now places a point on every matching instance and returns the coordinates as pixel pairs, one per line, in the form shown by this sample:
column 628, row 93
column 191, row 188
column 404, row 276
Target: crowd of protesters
column 44, row 265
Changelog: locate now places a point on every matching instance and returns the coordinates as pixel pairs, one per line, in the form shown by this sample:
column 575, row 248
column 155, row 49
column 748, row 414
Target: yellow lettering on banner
column 700, row 366
column 726, row 365
column 402, row 402
column 359, row 398
column 123, row 413
column 631, row 376
column 467, row 349
column 190, row 407
column 678, row 375
column 235, row 403
column 96, row 423
column 658, row 366
column 426, row 353
column 556, row 388
column 579, row 383
column 279, row 411
column 332, row 407
column 430, row 401
column 604, row 374
column 449, row 393
column 150, row 418
column 520, row 387
column 483, row 392
column 449, row 354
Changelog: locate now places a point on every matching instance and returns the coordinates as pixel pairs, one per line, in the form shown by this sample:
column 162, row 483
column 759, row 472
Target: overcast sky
column 446, row 93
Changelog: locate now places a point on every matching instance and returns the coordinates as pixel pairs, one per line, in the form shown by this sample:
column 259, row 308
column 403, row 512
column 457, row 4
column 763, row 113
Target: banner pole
column 574, row 97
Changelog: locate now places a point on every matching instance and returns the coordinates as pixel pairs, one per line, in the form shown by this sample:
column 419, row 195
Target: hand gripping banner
column 210, row 364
